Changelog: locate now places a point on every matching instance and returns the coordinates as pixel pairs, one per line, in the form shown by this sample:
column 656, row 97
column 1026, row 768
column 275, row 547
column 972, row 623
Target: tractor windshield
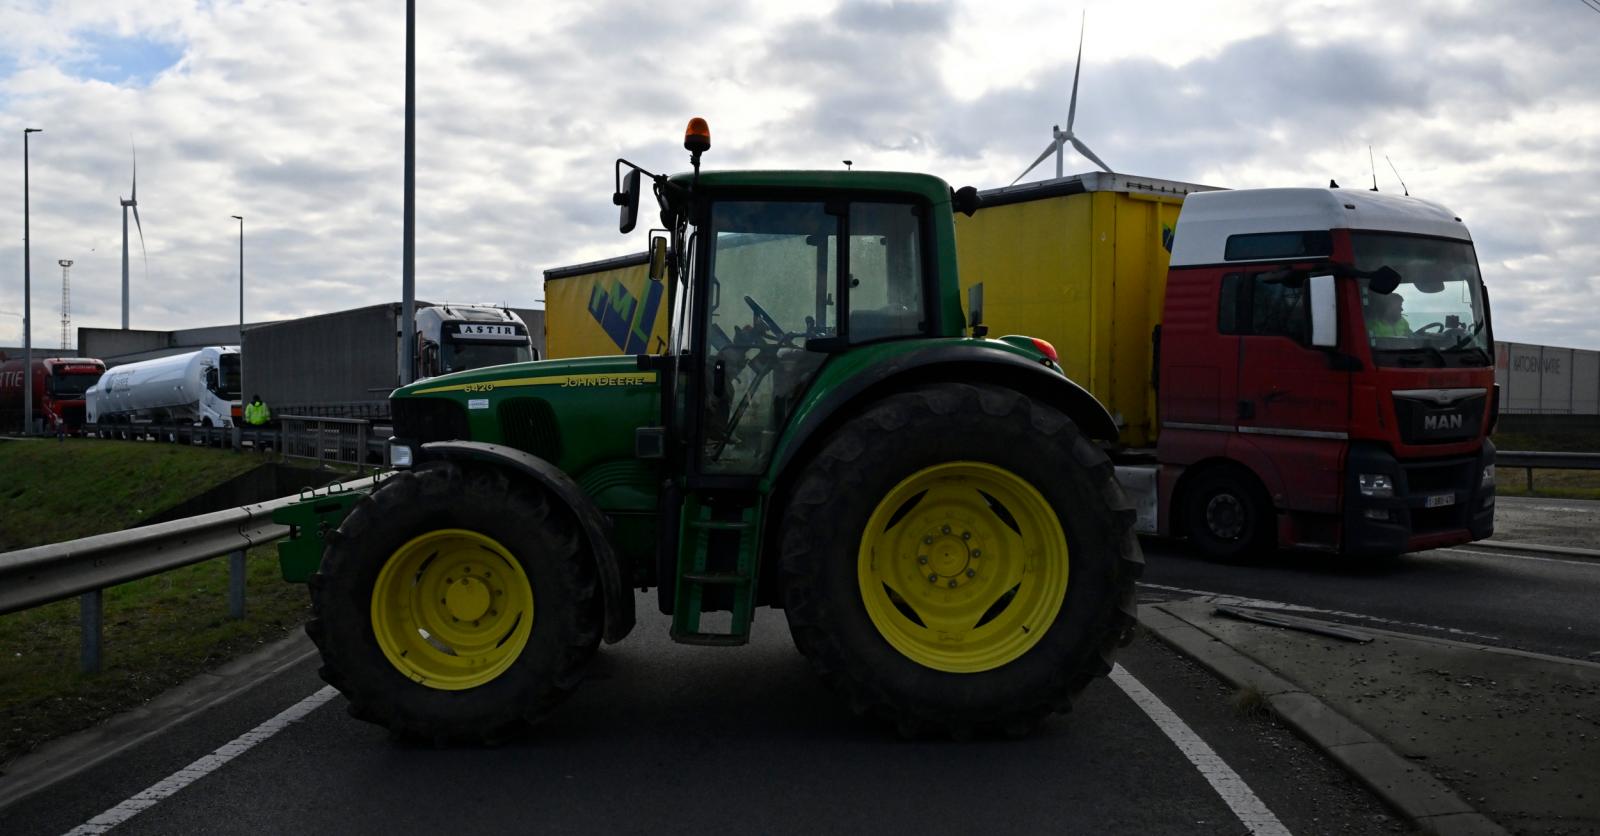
column 772, row 269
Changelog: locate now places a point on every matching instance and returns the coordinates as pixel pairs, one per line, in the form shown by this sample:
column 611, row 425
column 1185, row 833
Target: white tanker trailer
column 201, row 387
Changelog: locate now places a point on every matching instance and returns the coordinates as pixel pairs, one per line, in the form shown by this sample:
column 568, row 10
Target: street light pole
column 27, row 295
column 408, row 276
column 240, row 219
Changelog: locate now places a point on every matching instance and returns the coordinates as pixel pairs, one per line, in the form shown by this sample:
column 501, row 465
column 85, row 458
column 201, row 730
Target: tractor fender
column 954, row 364
column 596, row 527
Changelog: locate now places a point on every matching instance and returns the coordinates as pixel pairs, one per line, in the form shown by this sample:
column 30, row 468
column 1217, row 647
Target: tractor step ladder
column 694, row 578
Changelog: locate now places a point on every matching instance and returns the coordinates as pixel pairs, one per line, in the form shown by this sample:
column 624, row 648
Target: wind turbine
column 1061, row 138
column 132, row 202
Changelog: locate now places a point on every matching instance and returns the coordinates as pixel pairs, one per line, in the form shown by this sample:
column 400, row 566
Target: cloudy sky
column 290, row 113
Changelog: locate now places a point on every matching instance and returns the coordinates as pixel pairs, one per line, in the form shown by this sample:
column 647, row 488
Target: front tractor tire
column 959, row 559
column 455, row 605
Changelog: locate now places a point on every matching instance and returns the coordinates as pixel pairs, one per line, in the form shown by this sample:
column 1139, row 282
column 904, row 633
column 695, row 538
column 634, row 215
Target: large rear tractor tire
column 455, row 605
column 959, row 559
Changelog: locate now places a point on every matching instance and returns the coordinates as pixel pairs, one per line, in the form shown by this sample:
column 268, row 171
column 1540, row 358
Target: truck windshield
column 72, row 384
column 460, row 355
column 228, row 377
column 1436, row 316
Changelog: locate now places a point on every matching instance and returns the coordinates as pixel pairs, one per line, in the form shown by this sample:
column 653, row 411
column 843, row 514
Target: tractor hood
column 574, row 372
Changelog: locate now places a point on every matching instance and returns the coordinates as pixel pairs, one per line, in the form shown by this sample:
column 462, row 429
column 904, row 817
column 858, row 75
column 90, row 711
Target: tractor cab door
column 774, row 295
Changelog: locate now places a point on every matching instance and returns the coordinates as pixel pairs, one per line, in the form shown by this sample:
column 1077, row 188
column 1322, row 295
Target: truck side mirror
column 658, row 257
column 627, row 196
column 1324, row 312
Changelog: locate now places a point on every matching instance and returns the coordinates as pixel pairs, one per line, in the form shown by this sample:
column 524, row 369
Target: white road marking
column 1234, row 600
column 163, row 789
column 1233, row 790
column 1593, row 564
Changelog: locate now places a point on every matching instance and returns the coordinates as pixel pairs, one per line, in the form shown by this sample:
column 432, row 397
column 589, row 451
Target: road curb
column 65, row 757
column 1532, row 548
column 1431, row 805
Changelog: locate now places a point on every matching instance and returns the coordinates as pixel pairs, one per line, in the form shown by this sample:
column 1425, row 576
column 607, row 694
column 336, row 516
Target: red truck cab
column 1326, row 375
column 59, row 384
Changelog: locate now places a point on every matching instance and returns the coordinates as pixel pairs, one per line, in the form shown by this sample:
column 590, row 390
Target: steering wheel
column 1436, row 326
column 766, row 318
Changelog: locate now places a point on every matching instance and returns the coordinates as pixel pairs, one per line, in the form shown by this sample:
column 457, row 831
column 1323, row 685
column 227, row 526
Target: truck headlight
column 1488, row 476
column 399, row 455
column 1375, row 484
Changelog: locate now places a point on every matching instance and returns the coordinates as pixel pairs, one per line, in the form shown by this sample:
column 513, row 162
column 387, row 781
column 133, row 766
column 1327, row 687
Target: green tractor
column 930, row 510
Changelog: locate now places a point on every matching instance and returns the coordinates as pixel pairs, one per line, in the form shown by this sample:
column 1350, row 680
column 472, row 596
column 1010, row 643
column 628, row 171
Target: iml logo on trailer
column 627, row 322
column 1446, row 421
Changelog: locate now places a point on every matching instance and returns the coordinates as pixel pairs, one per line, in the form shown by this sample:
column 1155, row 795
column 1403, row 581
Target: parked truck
column 345, row 364
column 1255, row 363
column 59, row 384
column 819, row 434
column 1235, row 428
column 200, row 387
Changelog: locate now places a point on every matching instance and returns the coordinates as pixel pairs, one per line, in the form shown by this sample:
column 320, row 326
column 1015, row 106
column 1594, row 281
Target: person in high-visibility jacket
column 256, row 413
column 1385, row 317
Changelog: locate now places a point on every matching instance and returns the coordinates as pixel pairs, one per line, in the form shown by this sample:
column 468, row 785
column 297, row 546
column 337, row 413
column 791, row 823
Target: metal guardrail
column 1531, row 460
column 356, row 441
column 83, row 567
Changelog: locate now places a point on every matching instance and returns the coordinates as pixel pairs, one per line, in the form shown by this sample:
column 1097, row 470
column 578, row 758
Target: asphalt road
column 1535, row 603
column 666, row 738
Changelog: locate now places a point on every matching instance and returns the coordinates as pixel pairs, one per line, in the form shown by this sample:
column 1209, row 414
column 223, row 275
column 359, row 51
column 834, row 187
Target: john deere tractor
column 821, row 435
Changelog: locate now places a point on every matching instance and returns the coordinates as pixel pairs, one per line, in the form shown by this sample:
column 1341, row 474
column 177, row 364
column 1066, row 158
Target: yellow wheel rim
column 963, row 567
column 452, row 609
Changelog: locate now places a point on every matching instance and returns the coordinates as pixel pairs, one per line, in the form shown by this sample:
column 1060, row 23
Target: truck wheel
column 1228, row 516
column 455, row 605
column 959, row 559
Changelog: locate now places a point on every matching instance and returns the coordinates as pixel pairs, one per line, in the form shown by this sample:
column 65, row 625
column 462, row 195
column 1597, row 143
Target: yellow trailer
column 604, row 307
column 1081, row 261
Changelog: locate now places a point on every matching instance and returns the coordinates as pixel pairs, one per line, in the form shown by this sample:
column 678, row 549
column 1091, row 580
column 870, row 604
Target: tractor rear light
column 1047, row 350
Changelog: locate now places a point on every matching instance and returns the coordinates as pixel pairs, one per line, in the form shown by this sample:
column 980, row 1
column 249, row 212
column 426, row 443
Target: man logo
column 1448, row 421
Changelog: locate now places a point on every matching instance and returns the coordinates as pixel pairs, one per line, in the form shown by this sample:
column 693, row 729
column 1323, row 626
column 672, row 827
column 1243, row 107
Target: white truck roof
column 1209, row 218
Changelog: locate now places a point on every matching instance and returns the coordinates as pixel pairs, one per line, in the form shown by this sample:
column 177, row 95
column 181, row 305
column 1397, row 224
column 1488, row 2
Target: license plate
column 1441, row 500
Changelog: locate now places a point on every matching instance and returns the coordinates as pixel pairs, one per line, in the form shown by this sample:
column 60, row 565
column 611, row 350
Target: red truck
column 1326, row 366
column 1288, row 367
column 58, row 387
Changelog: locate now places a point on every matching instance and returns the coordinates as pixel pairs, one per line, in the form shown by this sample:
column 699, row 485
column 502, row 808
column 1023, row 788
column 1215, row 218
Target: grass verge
column 52, row 491
column 158, row 632
column 1564, row 484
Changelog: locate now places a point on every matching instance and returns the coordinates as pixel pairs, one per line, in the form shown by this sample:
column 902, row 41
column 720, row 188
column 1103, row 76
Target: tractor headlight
column 399, row 455
column 1376, row 484
column 1488, row 477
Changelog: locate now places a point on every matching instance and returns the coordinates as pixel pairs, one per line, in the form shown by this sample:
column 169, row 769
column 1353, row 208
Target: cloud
column 291, row 114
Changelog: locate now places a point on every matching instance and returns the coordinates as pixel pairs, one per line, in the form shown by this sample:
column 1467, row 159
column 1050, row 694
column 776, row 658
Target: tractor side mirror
column 1324, row 312
column 627, row 196
column 975, row 310
column 658, row 257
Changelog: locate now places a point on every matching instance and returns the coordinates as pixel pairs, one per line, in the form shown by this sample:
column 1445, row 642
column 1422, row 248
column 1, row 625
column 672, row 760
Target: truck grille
column 529, row 424
column 72, row 415
column 421, row 420
column 1427, row 422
